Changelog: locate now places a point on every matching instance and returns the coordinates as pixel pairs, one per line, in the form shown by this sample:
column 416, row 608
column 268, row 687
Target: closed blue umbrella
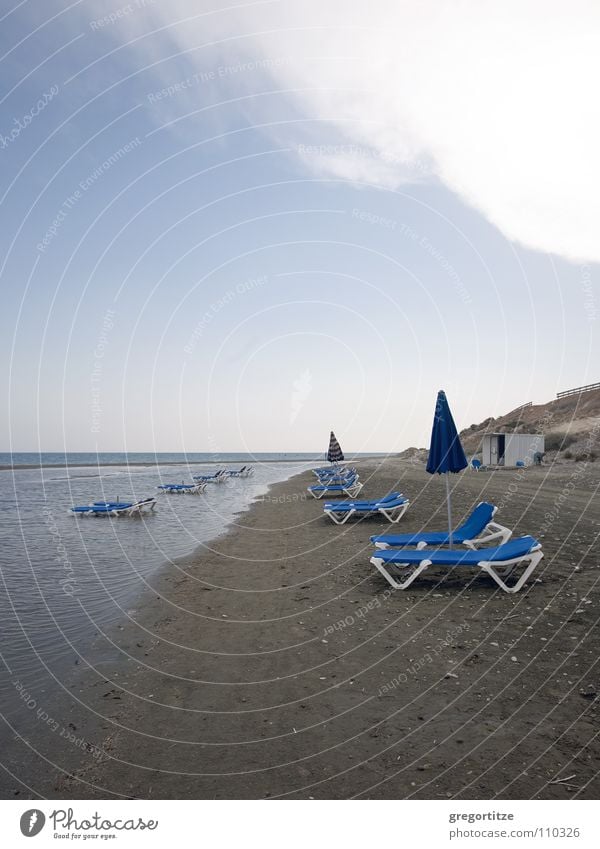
column 445, row 451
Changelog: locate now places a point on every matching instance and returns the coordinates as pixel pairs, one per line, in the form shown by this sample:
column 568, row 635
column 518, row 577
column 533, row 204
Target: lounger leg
column 383, row 546
column 534, row 558
column 345, row 516
column 389, row 513
column 400, row 585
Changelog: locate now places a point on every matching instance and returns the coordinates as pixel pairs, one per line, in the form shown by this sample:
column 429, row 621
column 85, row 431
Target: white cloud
column 496, row 99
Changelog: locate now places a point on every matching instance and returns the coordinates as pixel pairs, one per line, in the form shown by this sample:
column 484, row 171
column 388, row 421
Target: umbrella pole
column 449, row 505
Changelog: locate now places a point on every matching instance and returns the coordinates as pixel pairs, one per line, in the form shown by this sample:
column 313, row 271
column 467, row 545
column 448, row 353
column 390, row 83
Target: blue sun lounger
column 218, row 477
column 478, row 529
column 340, row 472
column 337, row 480
column 115, row 508
column 392, row 506
column 350, row 486
column 183, row 488
column 400, row 567
column 244, row 472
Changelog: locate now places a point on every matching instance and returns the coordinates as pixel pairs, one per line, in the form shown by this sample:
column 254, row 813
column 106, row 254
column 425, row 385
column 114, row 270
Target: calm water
column 75, row 458
column 63, row 578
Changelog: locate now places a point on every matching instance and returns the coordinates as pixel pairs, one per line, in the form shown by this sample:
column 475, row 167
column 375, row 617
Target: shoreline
column 274, row 662
column 148, row 464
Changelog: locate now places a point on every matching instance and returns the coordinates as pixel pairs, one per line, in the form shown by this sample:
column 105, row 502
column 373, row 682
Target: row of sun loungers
column 392, row 507
column 401, row 558
column 345, row 483
column 244, row 472
column 201, row 481
column 183, row 488
column 123, row 508
column 218, row 477
column 326, row 474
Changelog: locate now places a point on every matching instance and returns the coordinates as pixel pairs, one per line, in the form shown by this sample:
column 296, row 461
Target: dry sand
column 280, row 664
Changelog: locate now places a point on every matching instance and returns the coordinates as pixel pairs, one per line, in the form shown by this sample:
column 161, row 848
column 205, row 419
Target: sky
column 236, row 226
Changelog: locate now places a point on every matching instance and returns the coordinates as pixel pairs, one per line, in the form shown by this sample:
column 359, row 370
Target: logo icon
column 32, row 822
column 302, row 389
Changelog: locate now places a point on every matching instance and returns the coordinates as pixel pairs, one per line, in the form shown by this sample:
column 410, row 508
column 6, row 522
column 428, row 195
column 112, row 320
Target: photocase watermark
column 373, row 218
column 359, row 152
column 32, row 822
column 23, row 122
column 425, row 660
column 118, row 14
column 54, row 725
column 287, row 498
column 369, row 217
column 94, row 827
column 302, row 389
column 211, row 75
column 214, row 449
column 519, row 473
column 579, row 472
column 589, row 301
column 358, row 614
column 108, row 322
column 248, row 285
column 446, row 266
column 69, row 581
column 84, row 185
column 66, row 820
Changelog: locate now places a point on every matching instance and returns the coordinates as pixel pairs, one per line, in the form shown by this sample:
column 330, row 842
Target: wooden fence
column 578, row 391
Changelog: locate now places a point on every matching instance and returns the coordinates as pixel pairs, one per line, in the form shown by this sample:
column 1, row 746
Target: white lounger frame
column 350, row 491
column 498, row 570
column 147, row 505
column 392, row 514
column 323, row 474
column 492, row 531
column 190, row 490
column 136, row 509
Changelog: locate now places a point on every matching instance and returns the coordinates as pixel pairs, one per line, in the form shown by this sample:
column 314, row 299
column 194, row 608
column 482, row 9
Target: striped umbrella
column 335, row 453
column 445, row 451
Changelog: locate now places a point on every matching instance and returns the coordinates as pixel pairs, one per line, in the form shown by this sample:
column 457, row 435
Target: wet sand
column 279, row 663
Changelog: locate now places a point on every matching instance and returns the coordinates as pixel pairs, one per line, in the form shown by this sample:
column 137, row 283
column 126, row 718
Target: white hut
column 510, row 449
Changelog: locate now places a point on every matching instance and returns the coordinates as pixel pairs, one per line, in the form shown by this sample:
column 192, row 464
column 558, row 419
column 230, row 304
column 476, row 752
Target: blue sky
column 241, row 231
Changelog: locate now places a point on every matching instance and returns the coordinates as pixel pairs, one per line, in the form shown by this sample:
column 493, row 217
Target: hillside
column 571, row 427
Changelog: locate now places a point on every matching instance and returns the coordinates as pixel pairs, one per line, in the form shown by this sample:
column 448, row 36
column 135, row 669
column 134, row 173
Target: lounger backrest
column 477, row 521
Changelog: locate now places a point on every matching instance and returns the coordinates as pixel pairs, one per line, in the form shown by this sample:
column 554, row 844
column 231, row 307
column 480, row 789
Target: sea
column 66, row 577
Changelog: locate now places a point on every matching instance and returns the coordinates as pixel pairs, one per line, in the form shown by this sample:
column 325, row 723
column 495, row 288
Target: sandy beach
column 277, row 663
